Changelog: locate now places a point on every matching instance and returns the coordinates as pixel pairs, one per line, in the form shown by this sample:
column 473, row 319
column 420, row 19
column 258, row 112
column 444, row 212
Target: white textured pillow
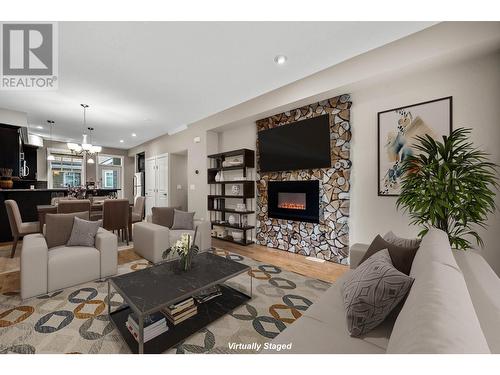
column 84, row 232
column 438, row 316
column 400, row 241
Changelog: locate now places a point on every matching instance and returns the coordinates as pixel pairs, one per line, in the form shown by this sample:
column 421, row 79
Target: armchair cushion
column 83, row 232
column 74, row 265
column 58, row 227
column 183, row 220
column 163, row 216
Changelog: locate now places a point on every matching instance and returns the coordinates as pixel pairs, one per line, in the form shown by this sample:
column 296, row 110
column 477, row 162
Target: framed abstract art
column 397, row 129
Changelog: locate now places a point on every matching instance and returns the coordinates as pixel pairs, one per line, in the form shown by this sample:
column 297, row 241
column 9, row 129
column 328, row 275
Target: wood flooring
column 327, row 271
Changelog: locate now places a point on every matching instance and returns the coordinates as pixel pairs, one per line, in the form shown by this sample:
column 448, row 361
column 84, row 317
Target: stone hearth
column 329, row 238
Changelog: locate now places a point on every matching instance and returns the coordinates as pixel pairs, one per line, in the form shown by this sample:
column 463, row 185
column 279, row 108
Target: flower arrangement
column 184, row 247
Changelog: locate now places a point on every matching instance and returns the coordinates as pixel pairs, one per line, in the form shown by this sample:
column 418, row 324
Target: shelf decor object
column 240, row 188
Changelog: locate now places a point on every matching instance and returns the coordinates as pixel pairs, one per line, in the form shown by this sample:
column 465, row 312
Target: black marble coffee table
column 149, row 290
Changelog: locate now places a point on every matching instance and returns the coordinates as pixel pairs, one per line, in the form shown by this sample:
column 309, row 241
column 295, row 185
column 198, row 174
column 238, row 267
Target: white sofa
column 453, row 307
column 151, row 240
column 45, row 270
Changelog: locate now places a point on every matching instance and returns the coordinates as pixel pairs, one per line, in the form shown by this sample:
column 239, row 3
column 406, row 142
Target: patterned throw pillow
column 371, row 291
column 84, row 232
column 400, row 241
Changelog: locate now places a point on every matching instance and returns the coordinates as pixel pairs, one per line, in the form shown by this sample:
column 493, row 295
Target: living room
column 303, row 188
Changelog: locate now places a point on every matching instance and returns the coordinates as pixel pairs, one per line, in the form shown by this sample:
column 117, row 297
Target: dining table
column 96, row 207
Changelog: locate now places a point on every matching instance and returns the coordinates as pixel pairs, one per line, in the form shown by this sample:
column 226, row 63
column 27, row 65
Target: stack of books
column 180, row 311
column 154, row 325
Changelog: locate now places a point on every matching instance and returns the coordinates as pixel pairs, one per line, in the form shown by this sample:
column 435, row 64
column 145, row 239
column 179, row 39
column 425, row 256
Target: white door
column 150, row 182
column 162, row 197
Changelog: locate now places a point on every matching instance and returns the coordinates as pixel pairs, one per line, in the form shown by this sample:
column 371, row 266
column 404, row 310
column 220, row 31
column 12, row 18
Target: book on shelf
column 150, row 322
column 179, row 306
column 148, row 335
column 182, row 316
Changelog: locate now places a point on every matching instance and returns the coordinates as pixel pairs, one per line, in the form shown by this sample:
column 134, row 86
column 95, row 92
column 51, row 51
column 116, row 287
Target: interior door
column 162, row 199
column 150, row 182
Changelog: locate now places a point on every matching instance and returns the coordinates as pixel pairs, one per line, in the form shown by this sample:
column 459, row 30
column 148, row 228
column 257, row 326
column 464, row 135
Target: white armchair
column 45, row 270
column 151, row 240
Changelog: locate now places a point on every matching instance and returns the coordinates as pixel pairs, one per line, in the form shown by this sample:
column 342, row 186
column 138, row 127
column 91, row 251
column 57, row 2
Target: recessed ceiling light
column 121, row 140
column 280, row 59
column 134, row 135
column 39, row 127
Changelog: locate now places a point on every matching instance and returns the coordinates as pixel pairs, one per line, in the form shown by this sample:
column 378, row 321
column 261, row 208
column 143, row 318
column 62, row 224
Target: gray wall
column 178, row 177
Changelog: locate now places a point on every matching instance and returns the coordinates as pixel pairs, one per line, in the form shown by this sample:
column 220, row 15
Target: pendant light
column 50, row 157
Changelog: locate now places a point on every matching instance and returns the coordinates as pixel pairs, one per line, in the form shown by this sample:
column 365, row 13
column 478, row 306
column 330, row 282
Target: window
column 110, row 179
column 109, row 172
column 66, row 170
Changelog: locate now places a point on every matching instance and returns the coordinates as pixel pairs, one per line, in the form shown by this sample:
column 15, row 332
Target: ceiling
column 152, row 78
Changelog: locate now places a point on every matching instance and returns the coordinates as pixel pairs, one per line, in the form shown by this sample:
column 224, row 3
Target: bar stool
column 17, row 227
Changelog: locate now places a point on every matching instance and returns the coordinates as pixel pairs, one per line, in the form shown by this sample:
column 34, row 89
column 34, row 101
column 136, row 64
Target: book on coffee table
column 154, row 325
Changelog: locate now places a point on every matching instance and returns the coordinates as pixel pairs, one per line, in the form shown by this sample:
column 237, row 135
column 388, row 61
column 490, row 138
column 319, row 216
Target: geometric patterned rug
column 75, row 319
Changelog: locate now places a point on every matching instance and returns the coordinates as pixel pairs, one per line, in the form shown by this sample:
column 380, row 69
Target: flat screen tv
column 301, row 145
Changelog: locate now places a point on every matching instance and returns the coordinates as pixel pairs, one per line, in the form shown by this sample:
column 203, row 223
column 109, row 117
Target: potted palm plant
column 449, row 185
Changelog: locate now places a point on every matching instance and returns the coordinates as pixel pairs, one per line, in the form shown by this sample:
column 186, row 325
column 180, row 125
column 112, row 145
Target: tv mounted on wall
column 301, row 145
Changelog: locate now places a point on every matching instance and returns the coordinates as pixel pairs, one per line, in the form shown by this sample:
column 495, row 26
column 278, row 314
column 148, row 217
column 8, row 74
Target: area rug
column 75, row 320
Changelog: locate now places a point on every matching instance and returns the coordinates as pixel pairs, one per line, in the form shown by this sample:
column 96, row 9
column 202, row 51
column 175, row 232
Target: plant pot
column 6, row 183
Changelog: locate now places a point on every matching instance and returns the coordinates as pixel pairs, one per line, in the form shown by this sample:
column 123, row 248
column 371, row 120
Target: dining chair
column 115, row 216
column 69, row 206
column 17, row 227
column 138, row 209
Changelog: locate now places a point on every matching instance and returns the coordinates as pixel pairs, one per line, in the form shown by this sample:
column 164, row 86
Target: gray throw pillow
column 84, row 232
column 372, row 291
column 183, row 220
column 401, row 257
column 400, row 241
column 58, row 227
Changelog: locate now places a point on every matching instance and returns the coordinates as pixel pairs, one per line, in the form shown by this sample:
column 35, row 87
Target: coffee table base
column 208, row 312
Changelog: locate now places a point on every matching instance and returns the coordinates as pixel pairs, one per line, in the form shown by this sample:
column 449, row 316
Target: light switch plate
column 192, row 187
column 179, row 187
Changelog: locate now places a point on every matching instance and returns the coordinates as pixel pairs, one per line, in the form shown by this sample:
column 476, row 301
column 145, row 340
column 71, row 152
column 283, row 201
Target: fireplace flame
column 292, row 206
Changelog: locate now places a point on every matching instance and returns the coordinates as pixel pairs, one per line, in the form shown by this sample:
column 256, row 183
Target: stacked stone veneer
column 330, row 238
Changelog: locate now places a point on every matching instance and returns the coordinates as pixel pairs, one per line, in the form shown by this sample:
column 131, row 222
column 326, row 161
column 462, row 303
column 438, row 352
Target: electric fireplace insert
column 294, row 200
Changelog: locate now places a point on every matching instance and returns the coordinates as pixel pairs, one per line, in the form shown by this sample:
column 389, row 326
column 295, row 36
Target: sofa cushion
column 322, row 329
column 84, row 232
column 183, row 220
column 371, row 292
column 401, row 257
column 434, row 247
column 400, row 241
column 163, row 216
column 68, row 266
column 58, row 227
column 438, row 316
column 483, row 286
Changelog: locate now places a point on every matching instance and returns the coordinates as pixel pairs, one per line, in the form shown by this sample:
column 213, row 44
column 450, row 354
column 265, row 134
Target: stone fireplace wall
column 330, row 238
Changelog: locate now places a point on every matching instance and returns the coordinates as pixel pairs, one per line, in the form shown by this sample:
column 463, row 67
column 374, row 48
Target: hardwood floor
column 327, row 271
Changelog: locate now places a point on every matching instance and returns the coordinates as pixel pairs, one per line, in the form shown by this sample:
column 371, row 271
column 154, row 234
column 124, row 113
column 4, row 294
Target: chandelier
column 86, row 148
